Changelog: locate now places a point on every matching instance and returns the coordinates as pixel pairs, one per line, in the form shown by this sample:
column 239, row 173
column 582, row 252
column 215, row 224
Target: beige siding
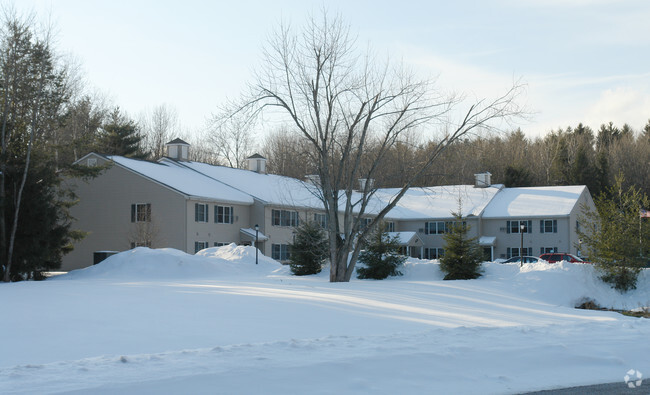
column 104, row 211
column 211, row 231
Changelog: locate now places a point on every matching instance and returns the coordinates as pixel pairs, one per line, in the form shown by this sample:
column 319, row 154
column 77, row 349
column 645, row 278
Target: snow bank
column 167, row 263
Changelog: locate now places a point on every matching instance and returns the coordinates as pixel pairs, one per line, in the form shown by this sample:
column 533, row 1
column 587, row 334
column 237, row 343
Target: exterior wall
column 585, row 202
column 104, row 211
column 211, row 231
column 535, row 240
column 435, row 240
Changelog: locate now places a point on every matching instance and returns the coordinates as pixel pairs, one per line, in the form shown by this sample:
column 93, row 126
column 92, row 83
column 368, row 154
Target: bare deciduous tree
column 343, row 104
column 159, row 126
column 232, row 138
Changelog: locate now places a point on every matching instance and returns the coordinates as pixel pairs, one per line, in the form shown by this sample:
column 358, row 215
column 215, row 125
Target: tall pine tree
column 309, row 249
column 463, row 255
column 120, row 136
column 381, row 256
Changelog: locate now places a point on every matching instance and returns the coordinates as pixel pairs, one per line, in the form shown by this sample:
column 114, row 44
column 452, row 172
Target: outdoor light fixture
column 257, row 233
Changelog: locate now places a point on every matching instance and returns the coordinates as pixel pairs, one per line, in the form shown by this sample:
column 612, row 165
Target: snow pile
column 162, row 321
column 167, row 263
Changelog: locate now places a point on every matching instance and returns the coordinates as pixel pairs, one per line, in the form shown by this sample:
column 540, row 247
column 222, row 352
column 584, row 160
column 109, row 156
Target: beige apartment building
column 189, row 206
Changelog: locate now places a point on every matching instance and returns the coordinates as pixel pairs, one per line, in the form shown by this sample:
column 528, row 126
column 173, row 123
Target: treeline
column 576, row 155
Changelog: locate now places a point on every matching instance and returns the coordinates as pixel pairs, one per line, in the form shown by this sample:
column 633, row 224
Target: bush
column 381, row 257
column 309, row 250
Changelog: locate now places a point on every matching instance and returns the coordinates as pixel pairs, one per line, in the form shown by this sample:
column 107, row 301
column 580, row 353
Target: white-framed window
column 548, row 226
column 433, row 253
column 321, row 220
column 141, row 212
column 515, row 226
column 200, row 212
column 140, row 244
column 284, row 218
column 547, row 250
column 280, row 252
column 223, row 214
column 92, row 162
column 200, row 245
column 221, row 243
column 436, row 227
column 514, row 251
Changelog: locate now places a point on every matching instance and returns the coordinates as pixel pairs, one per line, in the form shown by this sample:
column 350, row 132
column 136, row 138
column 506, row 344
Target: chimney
column 482, row 180
column 364, row 181
column 178, row 149
column 257, row 163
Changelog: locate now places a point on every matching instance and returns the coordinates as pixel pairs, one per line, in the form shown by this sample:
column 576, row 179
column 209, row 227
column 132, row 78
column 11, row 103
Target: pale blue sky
column 584, row 61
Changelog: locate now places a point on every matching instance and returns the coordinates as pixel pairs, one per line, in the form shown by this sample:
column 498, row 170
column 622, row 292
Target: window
column 390, row 226
column 280, row 252
column 223, row 214
column 321, row 220
column 436, row 228
column 515, row 226
column 547, row 250
column 284, row 218
column 221, row 244
column 434, row 253
column 200, row 212
column 512, row 252
column 548, row 226
column 199, row 245
column 140, row 244
column 141, row 212
column 92, row 162
column 364, row 223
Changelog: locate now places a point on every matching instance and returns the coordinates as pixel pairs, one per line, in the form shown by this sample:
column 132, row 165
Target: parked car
column 527, row 259
column 554, row 257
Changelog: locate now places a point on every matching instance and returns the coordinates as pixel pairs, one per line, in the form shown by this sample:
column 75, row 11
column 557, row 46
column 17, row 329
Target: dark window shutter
column 232, row 215
column 555, row 226
column 529, row 226
column 507, row 226
column 148, row 212
column 196, row 213
column 541, row 226
column 133, row 213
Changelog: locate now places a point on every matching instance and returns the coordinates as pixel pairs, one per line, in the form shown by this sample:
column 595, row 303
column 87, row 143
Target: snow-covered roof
column 187, row 182
column 435, row 202
column 404, row 238
column 269, row 188
column 534, row 202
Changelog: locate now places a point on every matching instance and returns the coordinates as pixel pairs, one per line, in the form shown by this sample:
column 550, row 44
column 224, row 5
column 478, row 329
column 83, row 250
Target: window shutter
column 555, row 226
column 148, row 212
column 529, row 226
column 232, row 215
column 541, row 226
column 508, row 229
column 196, row 215
column 133, row 213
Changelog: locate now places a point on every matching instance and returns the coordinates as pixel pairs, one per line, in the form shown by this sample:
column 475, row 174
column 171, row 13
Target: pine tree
column 309, row 249
column 380, row 257
column 517, row 176
column 120, row 136
column 616, row 237
column 463, row 255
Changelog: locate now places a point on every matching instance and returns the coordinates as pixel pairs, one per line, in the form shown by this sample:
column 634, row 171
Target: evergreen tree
column 617, row 237
column 309, row 249
column 120, row 136
column 380, row 257
column 517, row 176
column 463, row 255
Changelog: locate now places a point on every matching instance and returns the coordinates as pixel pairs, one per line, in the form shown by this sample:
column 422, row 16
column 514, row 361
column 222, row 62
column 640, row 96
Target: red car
column 554, row 257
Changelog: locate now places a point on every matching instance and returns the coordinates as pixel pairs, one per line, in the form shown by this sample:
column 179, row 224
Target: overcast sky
column 583, row 61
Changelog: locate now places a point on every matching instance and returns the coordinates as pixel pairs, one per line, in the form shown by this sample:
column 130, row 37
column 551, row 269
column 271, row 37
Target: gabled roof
column 186, row 182
column 534, row 202
column 268, row 188
column 177, row 141
column 435, row 202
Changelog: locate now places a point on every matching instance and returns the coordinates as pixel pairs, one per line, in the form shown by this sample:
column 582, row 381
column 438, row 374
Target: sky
column 581, row 60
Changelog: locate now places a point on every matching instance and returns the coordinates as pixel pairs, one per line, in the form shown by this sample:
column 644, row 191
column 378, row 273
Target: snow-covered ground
column 162, row 321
